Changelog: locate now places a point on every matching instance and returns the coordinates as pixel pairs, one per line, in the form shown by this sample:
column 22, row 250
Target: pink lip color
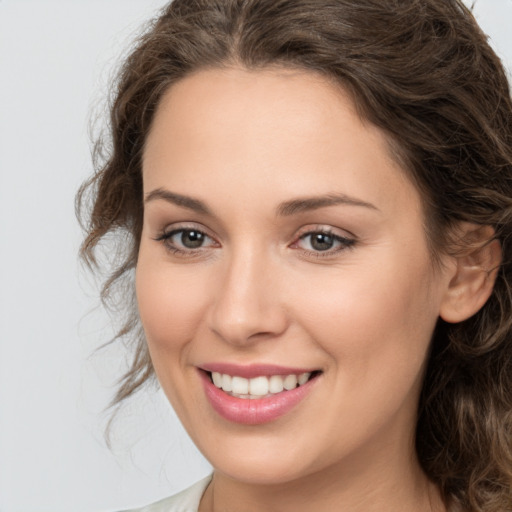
column 254, row 370
column 253, row 411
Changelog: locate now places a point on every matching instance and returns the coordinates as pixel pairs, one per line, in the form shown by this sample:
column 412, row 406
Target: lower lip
column 254, row 411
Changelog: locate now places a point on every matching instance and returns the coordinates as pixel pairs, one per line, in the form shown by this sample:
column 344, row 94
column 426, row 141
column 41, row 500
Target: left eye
column 186, row 239
column 320, row 241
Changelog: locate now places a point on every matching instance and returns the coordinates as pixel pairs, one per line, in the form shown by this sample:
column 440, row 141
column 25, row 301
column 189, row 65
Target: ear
column 474, row 272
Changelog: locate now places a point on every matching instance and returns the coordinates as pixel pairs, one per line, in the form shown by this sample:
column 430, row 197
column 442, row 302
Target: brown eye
column 186, row 240
column 324, row 242
column 192, row 239
column 321, row 241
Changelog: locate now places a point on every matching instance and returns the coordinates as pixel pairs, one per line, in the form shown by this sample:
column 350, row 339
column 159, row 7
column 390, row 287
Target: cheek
column 170, row 305
column 375, row 322
column 376, row 328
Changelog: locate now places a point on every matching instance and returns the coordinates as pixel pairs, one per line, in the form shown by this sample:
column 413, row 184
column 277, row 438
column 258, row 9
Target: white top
column 185, row 501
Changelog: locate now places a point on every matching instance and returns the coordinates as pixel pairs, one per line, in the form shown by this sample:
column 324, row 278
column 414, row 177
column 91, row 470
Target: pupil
column 192, row 239
column 322, row 242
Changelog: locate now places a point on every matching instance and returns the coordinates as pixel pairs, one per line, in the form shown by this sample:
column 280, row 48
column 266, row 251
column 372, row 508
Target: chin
column 269, row 471
column 258, row 459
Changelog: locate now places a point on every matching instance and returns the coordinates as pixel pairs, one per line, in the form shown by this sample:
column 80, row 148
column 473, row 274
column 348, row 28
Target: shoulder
column 185, row 501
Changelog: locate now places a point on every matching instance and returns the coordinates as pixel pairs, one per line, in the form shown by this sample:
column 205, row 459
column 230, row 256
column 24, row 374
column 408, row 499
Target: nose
column 247, row 305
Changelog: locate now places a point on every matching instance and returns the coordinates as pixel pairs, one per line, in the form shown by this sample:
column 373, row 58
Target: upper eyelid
column 187, row 226
column 344, row 237
column 340, row 238
column 164, row 235
column 299, row 233
column 165, row 238
column 325, row 228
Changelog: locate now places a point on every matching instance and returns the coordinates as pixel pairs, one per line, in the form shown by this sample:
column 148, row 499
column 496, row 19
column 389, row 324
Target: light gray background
column 55, row 61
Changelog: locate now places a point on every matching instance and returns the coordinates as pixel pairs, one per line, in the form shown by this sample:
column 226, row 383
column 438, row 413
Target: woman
column 318, row 201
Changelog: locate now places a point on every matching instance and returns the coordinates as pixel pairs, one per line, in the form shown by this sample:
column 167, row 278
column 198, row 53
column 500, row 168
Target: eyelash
column 166, row 238
column 344, row 242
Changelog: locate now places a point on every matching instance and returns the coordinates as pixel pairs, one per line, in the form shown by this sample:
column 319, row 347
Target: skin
column 243, row 143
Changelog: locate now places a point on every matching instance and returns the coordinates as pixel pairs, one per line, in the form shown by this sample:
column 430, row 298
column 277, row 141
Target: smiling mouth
column 259, row 387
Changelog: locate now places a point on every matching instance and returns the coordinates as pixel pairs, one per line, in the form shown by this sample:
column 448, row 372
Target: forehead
column 293, row 130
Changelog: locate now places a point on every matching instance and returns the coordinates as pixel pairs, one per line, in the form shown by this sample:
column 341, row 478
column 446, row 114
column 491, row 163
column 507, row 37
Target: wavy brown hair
column 424, row 73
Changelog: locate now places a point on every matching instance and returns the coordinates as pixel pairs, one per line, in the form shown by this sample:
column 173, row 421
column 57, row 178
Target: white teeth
column 217, row 379
column 226, row 382
column 290, row 382
column 276, row 384
column 303, row 378
column 258, row 387
column 239, row 386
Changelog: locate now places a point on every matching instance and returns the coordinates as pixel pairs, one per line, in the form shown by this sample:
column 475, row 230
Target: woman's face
column 281, row 242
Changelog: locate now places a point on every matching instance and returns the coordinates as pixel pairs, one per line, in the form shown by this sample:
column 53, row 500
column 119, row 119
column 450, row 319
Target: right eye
column 186, row 240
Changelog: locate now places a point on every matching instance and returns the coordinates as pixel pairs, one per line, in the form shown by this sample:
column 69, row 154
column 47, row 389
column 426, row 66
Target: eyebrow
column 179, row 200
column 315, row 202
column 285, row 209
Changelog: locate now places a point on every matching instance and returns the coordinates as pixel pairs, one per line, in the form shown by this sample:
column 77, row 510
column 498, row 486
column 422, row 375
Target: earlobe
column 475, row 271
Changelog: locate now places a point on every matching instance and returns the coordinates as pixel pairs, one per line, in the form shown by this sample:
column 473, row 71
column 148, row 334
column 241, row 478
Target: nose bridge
column 248, row 302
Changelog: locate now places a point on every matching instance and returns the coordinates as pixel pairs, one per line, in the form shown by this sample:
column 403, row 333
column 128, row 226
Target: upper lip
column 254, row 370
